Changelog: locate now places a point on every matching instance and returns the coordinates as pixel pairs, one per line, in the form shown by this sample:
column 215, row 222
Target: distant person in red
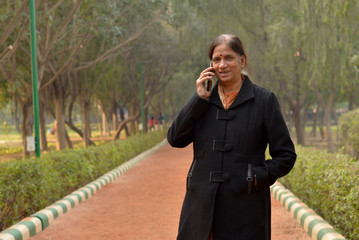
column 151, row 122
column 53, row 130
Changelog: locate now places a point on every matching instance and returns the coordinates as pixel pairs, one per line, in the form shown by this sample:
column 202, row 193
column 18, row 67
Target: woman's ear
column 242, row 61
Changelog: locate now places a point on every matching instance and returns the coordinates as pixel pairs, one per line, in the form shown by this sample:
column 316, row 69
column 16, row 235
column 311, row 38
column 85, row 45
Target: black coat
column 229, row 149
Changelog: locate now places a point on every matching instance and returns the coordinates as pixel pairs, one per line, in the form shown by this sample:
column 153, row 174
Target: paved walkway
column 145, row 203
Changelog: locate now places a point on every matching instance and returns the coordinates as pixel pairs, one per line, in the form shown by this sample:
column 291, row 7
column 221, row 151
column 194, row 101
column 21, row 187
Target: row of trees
column 306, row 51
column 89, row 54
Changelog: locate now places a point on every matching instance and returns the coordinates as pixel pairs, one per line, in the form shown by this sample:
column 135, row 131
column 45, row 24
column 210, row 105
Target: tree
column 327, row 48
column 158, row 50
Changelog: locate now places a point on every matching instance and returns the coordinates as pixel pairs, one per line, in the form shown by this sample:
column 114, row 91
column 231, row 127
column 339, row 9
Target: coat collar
column 244, row 94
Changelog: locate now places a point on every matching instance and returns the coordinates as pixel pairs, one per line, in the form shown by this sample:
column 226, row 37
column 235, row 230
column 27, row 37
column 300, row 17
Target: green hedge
column 29, row 185
column 349, row 132
column 328, row 183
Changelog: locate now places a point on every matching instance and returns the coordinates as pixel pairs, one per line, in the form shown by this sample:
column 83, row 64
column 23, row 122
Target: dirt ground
column 145, row 204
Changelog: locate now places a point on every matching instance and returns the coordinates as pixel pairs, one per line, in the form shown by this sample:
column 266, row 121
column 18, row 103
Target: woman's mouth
column 223, row 74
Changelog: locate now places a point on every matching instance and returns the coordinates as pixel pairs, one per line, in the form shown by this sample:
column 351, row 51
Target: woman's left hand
column 202, row 90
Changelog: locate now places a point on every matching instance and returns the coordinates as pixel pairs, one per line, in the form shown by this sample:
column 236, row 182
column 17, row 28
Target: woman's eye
column 216, row 60
column 229, row 58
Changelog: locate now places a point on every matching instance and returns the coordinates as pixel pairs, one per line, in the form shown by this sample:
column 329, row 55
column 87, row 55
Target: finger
column 206, row 77
column 209, row 73
column 203, row 79
column 209, row 69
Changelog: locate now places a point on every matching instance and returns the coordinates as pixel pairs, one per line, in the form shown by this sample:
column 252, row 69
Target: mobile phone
column 208, row 85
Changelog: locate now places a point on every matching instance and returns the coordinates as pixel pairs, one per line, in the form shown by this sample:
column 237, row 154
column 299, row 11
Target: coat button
column 228, row 147
column 226, row 176
column 231, row 115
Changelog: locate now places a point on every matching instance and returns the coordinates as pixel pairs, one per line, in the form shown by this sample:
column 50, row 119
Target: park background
column 96, row 58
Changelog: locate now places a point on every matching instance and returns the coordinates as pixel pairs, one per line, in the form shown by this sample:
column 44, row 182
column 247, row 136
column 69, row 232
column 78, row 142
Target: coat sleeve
column 281, row 147
column 180, row 134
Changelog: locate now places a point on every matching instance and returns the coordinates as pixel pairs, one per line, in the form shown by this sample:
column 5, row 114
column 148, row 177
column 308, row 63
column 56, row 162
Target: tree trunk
column 17, row 119
column 27, row 123
column 172, row 109
column 298, row 126
column 146, row 120
column 43, row 138
column 114, row 115
column 327, row 106
column 327, row 116
column 68, row 140
column 315, row 119
column 60, row 116
column 305, row 118
column 351, row 102
column 122, row 116
column 323, row 135
column 336, row 123
column 327, row 109
column 327, row 120
column 295, row 100
column 86, row 119
column 134, row 125
column 78, row 131
column 69, row 122
column 98, row 123
column 105, row 125
column 282, row 107
column 122, row 124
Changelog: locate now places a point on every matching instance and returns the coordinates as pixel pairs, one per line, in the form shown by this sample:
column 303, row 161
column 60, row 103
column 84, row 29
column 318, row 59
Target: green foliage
column 354, row 62
column 328, row 183
column 4, row 127
column 29, row 185
column 4, row 94
column 9, row 150
column 349, row 131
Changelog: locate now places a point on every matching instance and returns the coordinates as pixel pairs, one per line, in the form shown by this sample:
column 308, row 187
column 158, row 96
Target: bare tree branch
column 63, row 26
column 116, row 54
column 105, row 55
column 127, row 8
column 249, row 30
column 13, row 22
column 123, row 124
column 53, row 8
column 69, row 60
column 10, row 51
column 4, row 54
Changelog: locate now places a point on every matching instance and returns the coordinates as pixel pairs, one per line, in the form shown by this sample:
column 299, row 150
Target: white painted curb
column 37, row 222
column 313, row 224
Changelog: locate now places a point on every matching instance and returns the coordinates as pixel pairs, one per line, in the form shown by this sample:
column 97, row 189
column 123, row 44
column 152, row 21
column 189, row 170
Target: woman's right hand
column 202, row 91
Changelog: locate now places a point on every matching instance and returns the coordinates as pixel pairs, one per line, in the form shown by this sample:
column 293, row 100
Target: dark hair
column 232, row 41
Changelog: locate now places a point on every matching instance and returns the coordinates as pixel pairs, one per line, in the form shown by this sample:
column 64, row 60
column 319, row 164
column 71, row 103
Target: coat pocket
column 190, row 174
column 250, row 178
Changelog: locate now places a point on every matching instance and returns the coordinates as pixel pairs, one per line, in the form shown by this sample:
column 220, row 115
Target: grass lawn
column 11, row 142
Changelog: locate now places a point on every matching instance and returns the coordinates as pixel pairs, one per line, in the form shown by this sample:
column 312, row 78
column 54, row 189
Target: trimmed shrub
column 29, row 185
column 328, row 183
column 349, row 132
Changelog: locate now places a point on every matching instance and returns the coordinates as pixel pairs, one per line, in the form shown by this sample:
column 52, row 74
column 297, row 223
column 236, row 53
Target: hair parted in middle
column 232, row 41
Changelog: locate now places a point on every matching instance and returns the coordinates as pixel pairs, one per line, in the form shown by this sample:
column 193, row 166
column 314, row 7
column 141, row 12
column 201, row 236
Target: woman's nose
column 222, row 64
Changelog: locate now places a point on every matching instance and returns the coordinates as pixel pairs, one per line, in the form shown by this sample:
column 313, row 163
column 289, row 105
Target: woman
column 230, row 126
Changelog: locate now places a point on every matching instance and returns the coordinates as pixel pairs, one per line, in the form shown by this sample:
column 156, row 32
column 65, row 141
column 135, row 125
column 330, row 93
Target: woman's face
column 227, row 64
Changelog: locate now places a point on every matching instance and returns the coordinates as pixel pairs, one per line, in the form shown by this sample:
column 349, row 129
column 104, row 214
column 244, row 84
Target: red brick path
column 144, row 204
